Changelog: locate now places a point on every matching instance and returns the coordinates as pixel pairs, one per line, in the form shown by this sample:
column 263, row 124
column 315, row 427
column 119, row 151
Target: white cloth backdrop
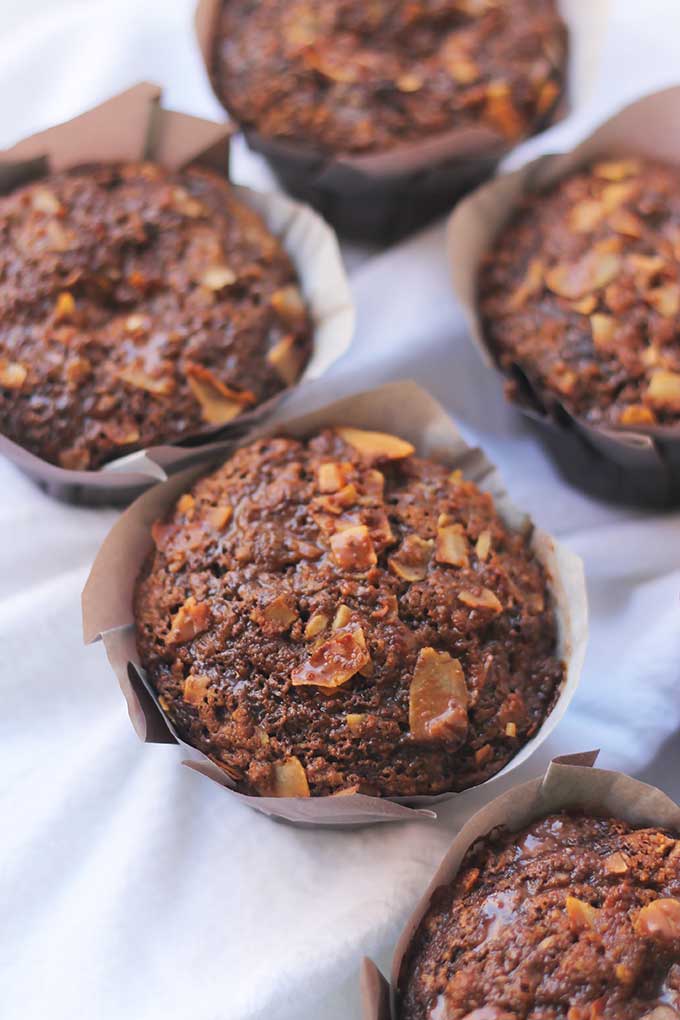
column 132, row 887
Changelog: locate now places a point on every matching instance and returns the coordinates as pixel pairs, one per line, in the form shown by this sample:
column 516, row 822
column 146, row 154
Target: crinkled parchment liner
column 382, row 196
column 569, row 782
column 133, row 126
column 631, row 464
column 403, row 408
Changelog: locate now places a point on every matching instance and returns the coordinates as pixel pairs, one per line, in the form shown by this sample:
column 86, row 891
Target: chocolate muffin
column 337, row 615
column 575, row 918
column 344, row 76
column 582, row 293
column 138, row 306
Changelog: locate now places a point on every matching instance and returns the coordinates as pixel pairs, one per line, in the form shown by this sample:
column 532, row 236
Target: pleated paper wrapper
column 133, row 126
column 408, row 411
column 638, row 465
column 569, row 783
column 382, row 196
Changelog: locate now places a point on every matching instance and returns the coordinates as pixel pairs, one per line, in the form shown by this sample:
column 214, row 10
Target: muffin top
column 575, row 918
column 138, row 306
column 582, row 292
column 337, row 615
column 347, row 76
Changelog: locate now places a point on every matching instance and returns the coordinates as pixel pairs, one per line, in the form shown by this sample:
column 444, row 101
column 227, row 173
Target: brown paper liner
column 640, row 466
column 382, row 196
column 403, row 408
column 133, row 126
column 569, row 782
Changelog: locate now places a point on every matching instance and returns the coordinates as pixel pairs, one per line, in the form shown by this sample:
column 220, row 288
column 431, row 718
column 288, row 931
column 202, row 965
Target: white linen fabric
column 133, row 887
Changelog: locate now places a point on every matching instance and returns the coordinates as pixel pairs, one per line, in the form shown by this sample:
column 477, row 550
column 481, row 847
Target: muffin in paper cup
column 637, row 464
column 401, row 408
column 570, row 784
column 379, row 195
column 133, row 127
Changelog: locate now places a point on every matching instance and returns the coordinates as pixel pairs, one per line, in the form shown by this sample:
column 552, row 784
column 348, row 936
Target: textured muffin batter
column 582, row 291
column 138, row 306
column 339, row 615
column 574, row 918
column 348, row 76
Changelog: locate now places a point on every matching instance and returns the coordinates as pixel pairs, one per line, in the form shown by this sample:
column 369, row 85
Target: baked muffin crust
column 348, row 76
column 574, row 918
column 582, row 292
column 138, row 306
column 338, row 615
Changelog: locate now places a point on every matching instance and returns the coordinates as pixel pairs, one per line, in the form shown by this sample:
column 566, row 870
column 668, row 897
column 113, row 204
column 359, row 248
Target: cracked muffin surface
column 582, row 292
column 138, row 306
column 573, row 918
column 348, row 76
column 337, row 615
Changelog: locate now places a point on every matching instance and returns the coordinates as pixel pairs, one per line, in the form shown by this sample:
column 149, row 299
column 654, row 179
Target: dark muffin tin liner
column 569, row 783
column 134, row 126
column 381, row 197
column 402, row 408
column 628, row 465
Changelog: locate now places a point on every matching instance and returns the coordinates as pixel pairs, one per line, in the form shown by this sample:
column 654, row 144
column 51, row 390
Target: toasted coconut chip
column 280, row 611
column 574, row 280
column 185, row 503
column 135, row 376
column 412, row 558
column 343, row 615
column 373, row 484
column 664, row 389
column 288, row 779
column 355, row 721
column 190, row 620
column 660, row 919
column 617, row 170
column 438, row 698
column 603, row 328
column 409, row 82
column 337, row 502
column 586, row 305
column 64, row 307
column 333, row 662
column 315, row 625
column 45, row 201
column 289, row 303
column 665, row 299
column 376, row 446
column 581, row 915
column 530, row 285
column 286, row 359
column 452, row 545
column 483, row 546
column 637, row 414
column 219, row 403
column 120, row 433
column 586, row 215
column 184, row 203
column 330, row 477
column 501, row 112
column 486, row 600
column 217, row 277
column 195, row 689
column 12, row 374
column 353, row 548
column 645, row 267
column 616, row 864
column 625, row 222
